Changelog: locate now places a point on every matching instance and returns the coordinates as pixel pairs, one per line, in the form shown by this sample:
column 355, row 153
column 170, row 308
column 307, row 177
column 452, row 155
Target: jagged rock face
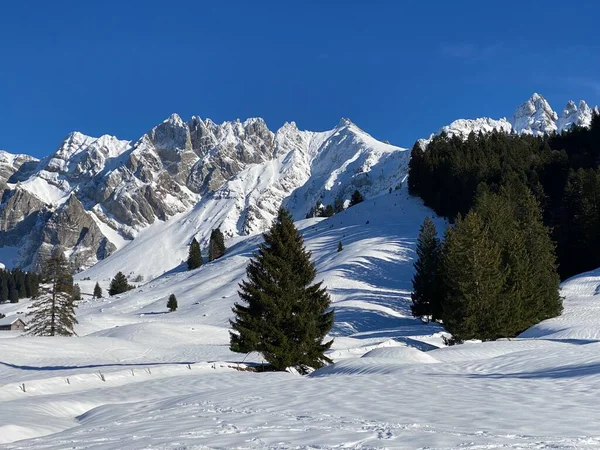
column 11, row 164
column 127, row 185
column 19, row 212
column 72, row 228
column 225, row 150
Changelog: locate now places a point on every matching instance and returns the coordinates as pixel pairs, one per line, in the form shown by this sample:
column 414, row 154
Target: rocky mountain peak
column 535, row 116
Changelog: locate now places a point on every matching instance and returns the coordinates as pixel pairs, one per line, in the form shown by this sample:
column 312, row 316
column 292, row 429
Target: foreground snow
column 138, row 377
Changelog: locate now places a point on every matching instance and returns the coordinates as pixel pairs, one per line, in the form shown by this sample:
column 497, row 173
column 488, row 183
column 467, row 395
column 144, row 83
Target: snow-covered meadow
column 139, row 377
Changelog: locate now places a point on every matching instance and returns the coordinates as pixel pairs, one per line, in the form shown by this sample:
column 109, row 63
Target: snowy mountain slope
column 389, row 389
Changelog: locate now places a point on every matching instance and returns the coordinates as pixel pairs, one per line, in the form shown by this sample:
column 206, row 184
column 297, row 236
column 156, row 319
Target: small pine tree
column 338, row 205
column 76, row 292
column 97, row 291
column 340, row 247
column 216, row 245
column 172, row 303
column 356, row 198
column 425, row 298
column 283, row 316
column 119, row 284
column 53, row 311
column 194, row 255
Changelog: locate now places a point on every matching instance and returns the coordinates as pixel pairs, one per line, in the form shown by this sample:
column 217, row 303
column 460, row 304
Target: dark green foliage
column 13, row 295
column 356, row 198
column 172, row 303
column 327, row 211
column 282, row 315
column 53, row 311
column 194, row 256
column 216, row 245
column 340, row 247
column 97, row 291
column 119, row 284
column 16, row 284
column 338, row 205
column 76, row 292
column 426, row 293
column 560, row 170
column 498, row 268
column 579, row 227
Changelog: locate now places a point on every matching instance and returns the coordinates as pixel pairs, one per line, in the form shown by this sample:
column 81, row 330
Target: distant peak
column 174, row 119
column 344, row 122
column 536, row 97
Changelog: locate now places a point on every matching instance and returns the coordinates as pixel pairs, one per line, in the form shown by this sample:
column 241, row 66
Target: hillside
column 391, row 387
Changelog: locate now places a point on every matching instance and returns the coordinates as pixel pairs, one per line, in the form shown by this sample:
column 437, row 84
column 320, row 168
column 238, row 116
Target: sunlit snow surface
column 170, row 381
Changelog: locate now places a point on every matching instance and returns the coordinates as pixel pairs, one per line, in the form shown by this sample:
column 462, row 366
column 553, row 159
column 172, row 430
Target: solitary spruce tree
column 172, row 303
column 119, row 284
column 194, row 256
column 340, row 247
column 356, row 198
column 283, row 316
column 53, row 311
column 425, row 294
column 97, row 291
column 216, row 245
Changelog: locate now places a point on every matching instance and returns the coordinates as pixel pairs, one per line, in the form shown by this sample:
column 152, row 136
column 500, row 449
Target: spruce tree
column 425, row 294
column 119, row 284
column 340, row 247
column 474, row 279
column 53, row 311
column 282, row 315
column 216, row 245
column 194, row 256
column 172, row 303
column 97, row 291
column 356, row 198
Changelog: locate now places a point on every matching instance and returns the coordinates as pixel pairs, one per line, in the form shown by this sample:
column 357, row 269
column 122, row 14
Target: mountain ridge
column 234, row 175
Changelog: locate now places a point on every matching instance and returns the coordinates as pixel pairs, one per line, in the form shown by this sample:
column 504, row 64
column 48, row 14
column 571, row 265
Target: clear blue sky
column 399, row 69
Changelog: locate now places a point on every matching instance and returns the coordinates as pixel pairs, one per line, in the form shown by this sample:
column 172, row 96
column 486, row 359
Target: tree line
column 561, row 171
column 16, row 284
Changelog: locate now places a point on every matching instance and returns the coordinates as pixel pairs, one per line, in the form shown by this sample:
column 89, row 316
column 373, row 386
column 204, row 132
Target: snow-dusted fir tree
column 283, row 316
column 53, row 311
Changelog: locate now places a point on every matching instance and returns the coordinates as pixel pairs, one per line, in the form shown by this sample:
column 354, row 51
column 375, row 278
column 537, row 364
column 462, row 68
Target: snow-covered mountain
column 535, row 117
column 94, row 196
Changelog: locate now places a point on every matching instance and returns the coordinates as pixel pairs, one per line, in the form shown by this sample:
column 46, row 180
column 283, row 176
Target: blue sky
column 399, row 69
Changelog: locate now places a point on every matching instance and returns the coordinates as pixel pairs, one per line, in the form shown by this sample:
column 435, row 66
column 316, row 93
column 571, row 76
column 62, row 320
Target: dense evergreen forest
column 16, row 284
column 561, row 171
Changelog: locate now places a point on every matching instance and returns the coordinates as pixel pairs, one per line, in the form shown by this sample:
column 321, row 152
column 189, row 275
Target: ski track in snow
column 138, row 377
